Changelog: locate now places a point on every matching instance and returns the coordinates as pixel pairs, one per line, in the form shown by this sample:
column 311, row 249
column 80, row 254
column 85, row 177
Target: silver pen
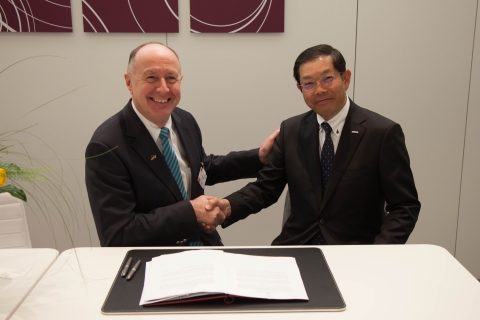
column 132, row 271
column 125, row 269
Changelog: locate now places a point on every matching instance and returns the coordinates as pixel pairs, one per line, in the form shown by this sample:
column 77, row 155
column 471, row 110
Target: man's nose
column 319, row 89
column 162, row 86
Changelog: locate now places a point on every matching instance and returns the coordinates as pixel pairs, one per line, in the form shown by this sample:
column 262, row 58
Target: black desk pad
column 322, row 290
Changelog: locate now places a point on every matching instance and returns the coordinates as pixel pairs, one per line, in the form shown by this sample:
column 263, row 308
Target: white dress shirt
column 337, row 124
column 174, row 140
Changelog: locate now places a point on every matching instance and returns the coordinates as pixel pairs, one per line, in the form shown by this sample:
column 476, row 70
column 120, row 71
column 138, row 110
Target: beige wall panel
column 468, row 237
column 240, row 87
column 413, row 66
column 93, row 63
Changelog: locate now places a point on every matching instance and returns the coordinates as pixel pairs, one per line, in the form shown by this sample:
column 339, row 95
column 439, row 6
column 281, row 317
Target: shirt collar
column 338, row 121
column 152, row 128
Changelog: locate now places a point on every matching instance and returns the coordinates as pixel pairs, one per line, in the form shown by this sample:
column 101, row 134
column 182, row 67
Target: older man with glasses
column 347, row 168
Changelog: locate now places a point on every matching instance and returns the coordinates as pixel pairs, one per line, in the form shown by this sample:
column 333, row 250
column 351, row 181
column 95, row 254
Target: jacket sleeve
column 399, row 189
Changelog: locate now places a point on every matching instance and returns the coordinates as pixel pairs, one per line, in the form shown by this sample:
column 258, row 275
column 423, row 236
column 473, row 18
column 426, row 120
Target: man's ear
column 128, row 82
column 346, row 78
column 299, row 88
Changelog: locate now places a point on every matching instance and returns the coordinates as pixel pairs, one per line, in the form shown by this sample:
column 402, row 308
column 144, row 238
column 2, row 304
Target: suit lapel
column 352, row 134
column 187, row 140
column 147, row 149
column 310, row 142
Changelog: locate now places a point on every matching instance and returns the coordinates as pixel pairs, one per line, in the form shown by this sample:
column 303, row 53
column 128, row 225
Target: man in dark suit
column 146, row 168
column 347, row 168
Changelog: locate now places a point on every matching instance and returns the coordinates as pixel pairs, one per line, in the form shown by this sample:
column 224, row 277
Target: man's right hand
column 208, row 216
column 223, row 204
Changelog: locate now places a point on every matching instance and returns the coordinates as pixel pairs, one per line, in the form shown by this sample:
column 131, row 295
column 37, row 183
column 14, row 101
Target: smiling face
column 152, row 83
column 325, row 100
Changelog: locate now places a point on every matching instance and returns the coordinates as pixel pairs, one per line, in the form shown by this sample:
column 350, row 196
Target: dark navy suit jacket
column 134, row 198
column 371, row 169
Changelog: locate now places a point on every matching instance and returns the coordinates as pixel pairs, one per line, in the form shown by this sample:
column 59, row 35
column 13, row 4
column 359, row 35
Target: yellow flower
column 3, row 176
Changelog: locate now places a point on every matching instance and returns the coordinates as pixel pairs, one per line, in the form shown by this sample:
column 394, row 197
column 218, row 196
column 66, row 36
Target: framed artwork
column 234, row 16
column 143, row 16
column 35, row 16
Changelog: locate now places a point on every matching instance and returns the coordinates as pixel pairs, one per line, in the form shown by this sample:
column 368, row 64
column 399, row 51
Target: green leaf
column 14, row 191
column 10, row 167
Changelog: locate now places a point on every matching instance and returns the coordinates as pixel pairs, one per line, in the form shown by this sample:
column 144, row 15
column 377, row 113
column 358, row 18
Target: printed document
column 196, row 273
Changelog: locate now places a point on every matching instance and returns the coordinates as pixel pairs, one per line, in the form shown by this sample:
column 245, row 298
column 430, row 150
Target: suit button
column 322, row 222
column 178, row 242
column 184, row 241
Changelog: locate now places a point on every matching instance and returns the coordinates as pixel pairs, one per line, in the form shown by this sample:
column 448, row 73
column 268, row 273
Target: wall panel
column 413, row 66
column 468, row 236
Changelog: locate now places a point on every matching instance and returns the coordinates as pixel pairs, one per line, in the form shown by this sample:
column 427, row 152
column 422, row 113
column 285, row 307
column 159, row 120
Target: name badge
column 202, row 177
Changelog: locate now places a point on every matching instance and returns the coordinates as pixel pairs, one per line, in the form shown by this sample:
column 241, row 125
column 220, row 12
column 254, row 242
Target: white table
column 377, row 282
column 34, row 262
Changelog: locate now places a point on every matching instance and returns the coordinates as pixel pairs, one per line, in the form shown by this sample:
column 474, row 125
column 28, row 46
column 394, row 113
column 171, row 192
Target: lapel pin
column 153, row 157
column 354, row 131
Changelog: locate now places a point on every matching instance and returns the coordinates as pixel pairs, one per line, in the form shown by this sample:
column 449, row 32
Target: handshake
column 210, row 212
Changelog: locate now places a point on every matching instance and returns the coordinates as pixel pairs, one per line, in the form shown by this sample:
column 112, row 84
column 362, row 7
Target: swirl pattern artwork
column 35, row 16
column 142, row 16
column 235, row 16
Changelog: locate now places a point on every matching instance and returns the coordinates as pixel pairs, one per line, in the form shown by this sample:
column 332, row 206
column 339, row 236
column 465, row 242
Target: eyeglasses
column 325, row 81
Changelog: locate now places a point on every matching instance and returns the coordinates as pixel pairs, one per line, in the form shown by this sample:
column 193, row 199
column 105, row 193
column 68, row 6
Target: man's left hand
column 267, row 146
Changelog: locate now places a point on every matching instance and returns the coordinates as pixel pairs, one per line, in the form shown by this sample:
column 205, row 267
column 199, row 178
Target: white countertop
column 32, row 263
column 377, row 282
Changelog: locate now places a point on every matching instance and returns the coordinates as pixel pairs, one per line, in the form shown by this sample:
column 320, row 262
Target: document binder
column 322, row 290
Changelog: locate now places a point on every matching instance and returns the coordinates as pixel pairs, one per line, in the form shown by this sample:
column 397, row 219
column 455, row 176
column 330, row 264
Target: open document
column 204, row 274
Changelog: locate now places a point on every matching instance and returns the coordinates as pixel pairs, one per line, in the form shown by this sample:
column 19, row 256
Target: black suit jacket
column 134, row 198
column 371, row 168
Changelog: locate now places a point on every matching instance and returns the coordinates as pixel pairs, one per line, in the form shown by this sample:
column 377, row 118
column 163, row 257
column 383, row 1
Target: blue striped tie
column 172, row 161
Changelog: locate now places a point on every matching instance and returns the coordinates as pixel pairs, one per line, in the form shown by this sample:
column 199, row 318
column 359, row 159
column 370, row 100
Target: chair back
column 13, row 223
column 287, row 208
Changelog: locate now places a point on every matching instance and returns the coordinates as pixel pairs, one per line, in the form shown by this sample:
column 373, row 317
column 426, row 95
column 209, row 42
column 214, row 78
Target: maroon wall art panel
column 130, row 16
column 232, row 16
column 35, row 16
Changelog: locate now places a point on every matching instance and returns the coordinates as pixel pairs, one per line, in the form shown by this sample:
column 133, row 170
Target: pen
column 127, row 265
column 132, row 272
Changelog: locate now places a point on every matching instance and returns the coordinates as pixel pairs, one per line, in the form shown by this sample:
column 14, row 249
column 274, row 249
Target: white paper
column 194, row 273
column 265, row 277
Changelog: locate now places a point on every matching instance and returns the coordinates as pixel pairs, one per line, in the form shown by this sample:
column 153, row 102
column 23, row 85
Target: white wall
column 411, row 62
column 468, row 234
column 413, row 67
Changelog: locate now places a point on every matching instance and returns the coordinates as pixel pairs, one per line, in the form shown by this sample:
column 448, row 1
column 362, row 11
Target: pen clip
column 125, row 268
column 133, row 270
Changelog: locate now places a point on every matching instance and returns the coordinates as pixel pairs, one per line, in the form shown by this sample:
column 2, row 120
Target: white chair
column 13, row 223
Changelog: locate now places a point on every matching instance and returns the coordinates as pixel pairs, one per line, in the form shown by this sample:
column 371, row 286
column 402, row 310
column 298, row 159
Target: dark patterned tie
column 172, row 162
column 326, row 163
column 327, row 155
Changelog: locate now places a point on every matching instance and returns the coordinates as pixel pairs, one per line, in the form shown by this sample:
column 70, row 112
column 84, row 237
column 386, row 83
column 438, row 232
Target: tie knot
column 326, row 127
column 164, row 133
